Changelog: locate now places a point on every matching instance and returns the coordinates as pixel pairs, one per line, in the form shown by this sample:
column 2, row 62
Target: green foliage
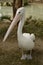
column 6, row 3
column 34, row 26
column 25, row 2
column 3, row 28
column 5, row 17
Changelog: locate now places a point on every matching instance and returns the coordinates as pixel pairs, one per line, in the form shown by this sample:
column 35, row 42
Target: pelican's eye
column 19, row 12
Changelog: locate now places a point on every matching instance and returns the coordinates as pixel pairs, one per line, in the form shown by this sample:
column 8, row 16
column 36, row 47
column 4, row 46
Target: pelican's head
column 33, row 37
column 20, row 10
column 20, row 13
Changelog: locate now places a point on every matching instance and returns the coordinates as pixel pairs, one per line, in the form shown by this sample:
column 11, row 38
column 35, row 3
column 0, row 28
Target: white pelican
column 25, row 40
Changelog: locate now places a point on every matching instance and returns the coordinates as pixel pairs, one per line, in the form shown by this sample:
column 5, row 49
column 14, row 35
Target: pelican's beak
column 14, row 22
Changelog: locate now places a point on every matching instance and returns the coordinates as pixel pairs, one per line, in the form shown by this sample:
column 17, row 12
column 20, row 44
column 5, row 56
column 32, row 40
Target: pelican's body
column 25, row 40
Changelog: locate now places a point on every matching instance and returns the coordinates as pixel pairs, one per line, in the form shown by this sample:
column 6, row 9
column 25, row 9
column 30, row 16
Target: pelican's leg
column 29, row 56
column 23, row 56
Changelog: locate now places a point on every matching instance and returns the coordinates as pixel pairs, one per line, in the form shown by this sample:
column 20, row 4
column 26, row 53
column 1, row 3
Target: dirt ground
column 10, row 53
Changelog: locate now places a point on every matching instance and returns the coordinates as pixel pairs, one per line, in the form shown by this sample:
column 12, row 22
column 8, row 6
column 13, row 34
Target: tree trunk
column 16, row 5
column 14, row 10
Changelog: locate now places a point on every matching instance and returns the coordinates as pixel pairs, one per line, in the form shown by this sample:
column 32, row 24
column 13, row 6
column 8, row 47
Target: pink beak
column 14, row 22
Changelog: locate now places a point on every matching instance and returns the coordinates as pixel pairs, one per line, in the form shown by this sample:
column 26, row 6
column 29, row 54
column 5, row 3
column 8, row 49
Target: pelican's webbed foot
column 29, row 57
column 23, row 57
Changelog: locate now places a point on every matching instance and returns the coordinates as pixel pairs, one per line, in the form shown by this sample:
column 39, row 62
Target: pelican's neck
column 20, row 27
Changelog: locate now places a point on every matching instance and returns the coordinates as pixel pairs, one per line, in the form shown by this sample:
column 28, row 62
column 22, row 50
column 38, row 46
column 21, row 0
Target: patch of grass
column 3, row 28
column 34, row 26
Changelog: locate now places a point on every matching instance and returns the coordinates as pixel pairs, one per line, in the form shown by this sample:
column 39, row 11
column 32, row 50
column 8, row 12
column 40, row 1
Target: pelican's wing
column 27, row 35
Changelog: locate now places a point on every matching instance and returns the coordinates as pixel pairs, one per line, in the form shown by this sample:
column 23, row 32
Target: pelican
column 25, row 40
